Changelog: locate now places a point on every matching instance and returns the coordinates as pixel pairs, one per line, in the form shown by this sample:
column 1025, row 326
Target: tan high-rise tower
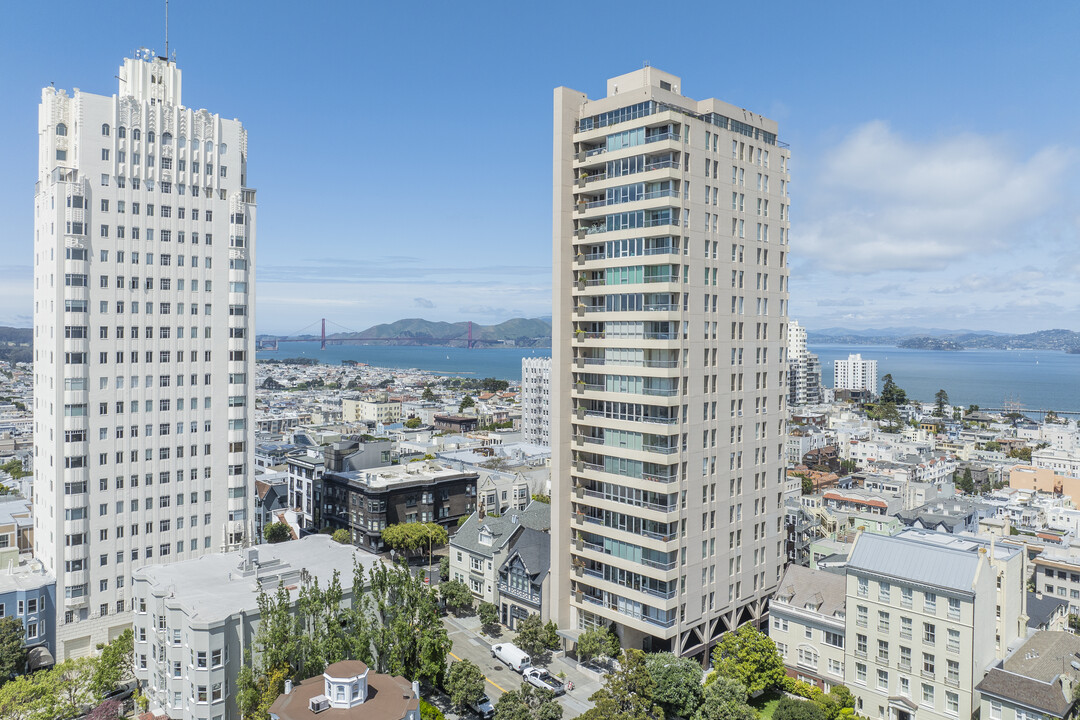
column 668, row 380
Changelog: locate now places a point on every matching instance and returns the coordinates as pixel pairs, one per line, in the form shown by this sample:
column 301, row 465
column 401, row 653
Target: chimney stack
column 288, row 687
column 416, row 689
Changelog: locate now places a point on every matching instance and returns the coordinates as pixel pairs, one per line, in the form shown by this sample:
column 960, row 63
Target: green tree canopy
column 489, row 614
column 891, row 392
column 627, row 694
column 528, row 703
column 677, row 681
column 792, row 709
column 941, row 399
column 597, row 642
column 114, row 666
column 428, row 395
column 342, row 536
column 413, row 423
column 277, row 532
column 456, row 595
column 749, row 656
column 466, row 402
column 533, row 637
column 12, row 652
column 411, row 536
column 725, row 699
column 464, row 683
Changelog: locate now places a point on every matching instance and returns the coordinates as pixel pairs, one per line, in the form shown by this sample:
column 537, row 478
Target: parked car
column 483, row 708
column 513, row 656
column 544, row 680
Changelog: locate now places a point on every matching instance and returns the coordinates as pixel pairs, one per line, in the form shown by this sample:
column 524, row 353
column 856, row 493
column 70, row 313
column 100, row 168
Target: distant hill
column 521, row 332
column 935, row 339
column 16, row 344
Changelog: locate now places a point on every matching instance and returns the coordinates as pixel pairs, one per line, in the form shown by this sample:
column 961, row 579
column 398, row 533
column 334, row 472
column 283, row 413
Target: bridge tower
column 323, row 346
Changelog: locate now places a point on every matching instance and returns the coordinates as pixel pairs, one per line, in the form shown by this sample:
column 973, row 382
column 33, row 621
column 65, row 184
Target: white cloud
column 879, row 201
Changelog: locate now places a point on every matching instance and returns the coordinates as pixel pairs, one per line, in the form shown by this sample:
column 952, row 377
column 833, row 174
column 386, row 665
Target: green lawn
column 766, row 703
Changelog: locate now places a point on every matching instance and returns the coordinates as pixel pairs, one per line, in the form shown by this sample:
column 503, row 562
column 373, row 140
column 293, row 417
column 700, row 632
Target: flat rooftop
column 213, row 587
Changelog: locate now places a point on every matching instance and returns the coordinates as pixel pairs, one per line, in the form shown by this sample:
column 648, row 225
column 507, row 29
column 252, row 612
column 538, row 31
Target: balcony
column 533, row 598
column 644, row 196
column 640, row 503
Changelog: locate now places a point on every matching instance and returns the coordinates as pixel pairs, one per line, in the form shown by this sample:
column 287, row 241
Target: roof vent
column 318, row 703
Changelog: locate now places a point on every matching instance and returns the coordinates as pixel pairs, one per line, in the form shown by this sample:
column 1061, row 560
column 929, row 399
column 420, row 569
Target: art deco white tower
column 668, row 380
column 143, row 341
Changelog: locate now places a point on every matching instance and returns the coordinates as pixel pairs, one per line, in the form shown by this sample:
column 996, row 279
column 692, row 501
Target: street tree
column 749, row 656
column 464, row 683
column 30, row 697
column 528, row 703
column 531, row 636
column 489, row 615
column 342, row 536
column 678, row 683
column 114, row 666
column 12, row 651
column 627, row 693
column 396, row 626
column 456, row 595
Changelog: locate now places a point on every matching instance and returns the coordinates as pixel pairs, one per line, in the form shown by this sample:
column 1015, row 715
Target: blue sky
column 402, row 151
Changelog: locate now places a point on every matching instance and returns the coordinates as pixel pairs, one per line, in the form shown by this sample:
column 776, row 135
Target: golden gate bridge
column 354, row 337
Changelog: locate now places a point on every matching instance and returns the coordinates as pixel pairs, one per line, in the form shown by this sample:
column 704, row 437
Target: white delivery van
column 514, row 657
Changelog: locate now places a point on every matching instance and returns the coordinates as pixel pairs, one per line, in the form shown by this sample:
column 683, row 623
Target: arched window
column 121, row 131
column 181, row 142
column 105, row 129
column 150, row 136
column 136, row 134
column 222, row 148
column 61, row 129
column 166, row 138
column 208, row 146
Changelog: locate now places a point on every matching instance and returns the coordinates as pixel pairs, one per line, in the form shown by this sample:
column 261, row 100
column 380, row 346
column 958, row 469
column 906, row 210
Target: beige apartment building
column 668, row 378
column 376, row 409
column 927, row 614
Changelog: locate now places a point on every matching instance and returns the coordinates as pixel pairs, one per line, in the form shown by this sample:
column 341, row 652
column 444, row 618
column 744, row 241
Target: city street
column 470, row 644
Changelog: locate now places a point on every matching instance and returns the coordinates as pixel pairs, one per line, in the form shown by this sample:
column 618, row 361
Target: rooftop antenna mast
column 166, row 30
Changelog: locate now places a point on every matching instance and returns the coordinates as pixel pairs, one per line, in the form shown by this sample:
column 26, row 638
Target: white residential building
column 855, row 374
column 144, row 238
column 808, row 624
column 927, row 614
column 194, row 620
column 536, row 400
column 668, row 377
column 804, row 369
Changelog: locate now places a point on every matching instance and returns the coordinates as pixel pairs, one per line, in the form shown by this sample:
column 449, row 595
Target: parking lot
column 470, row 644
